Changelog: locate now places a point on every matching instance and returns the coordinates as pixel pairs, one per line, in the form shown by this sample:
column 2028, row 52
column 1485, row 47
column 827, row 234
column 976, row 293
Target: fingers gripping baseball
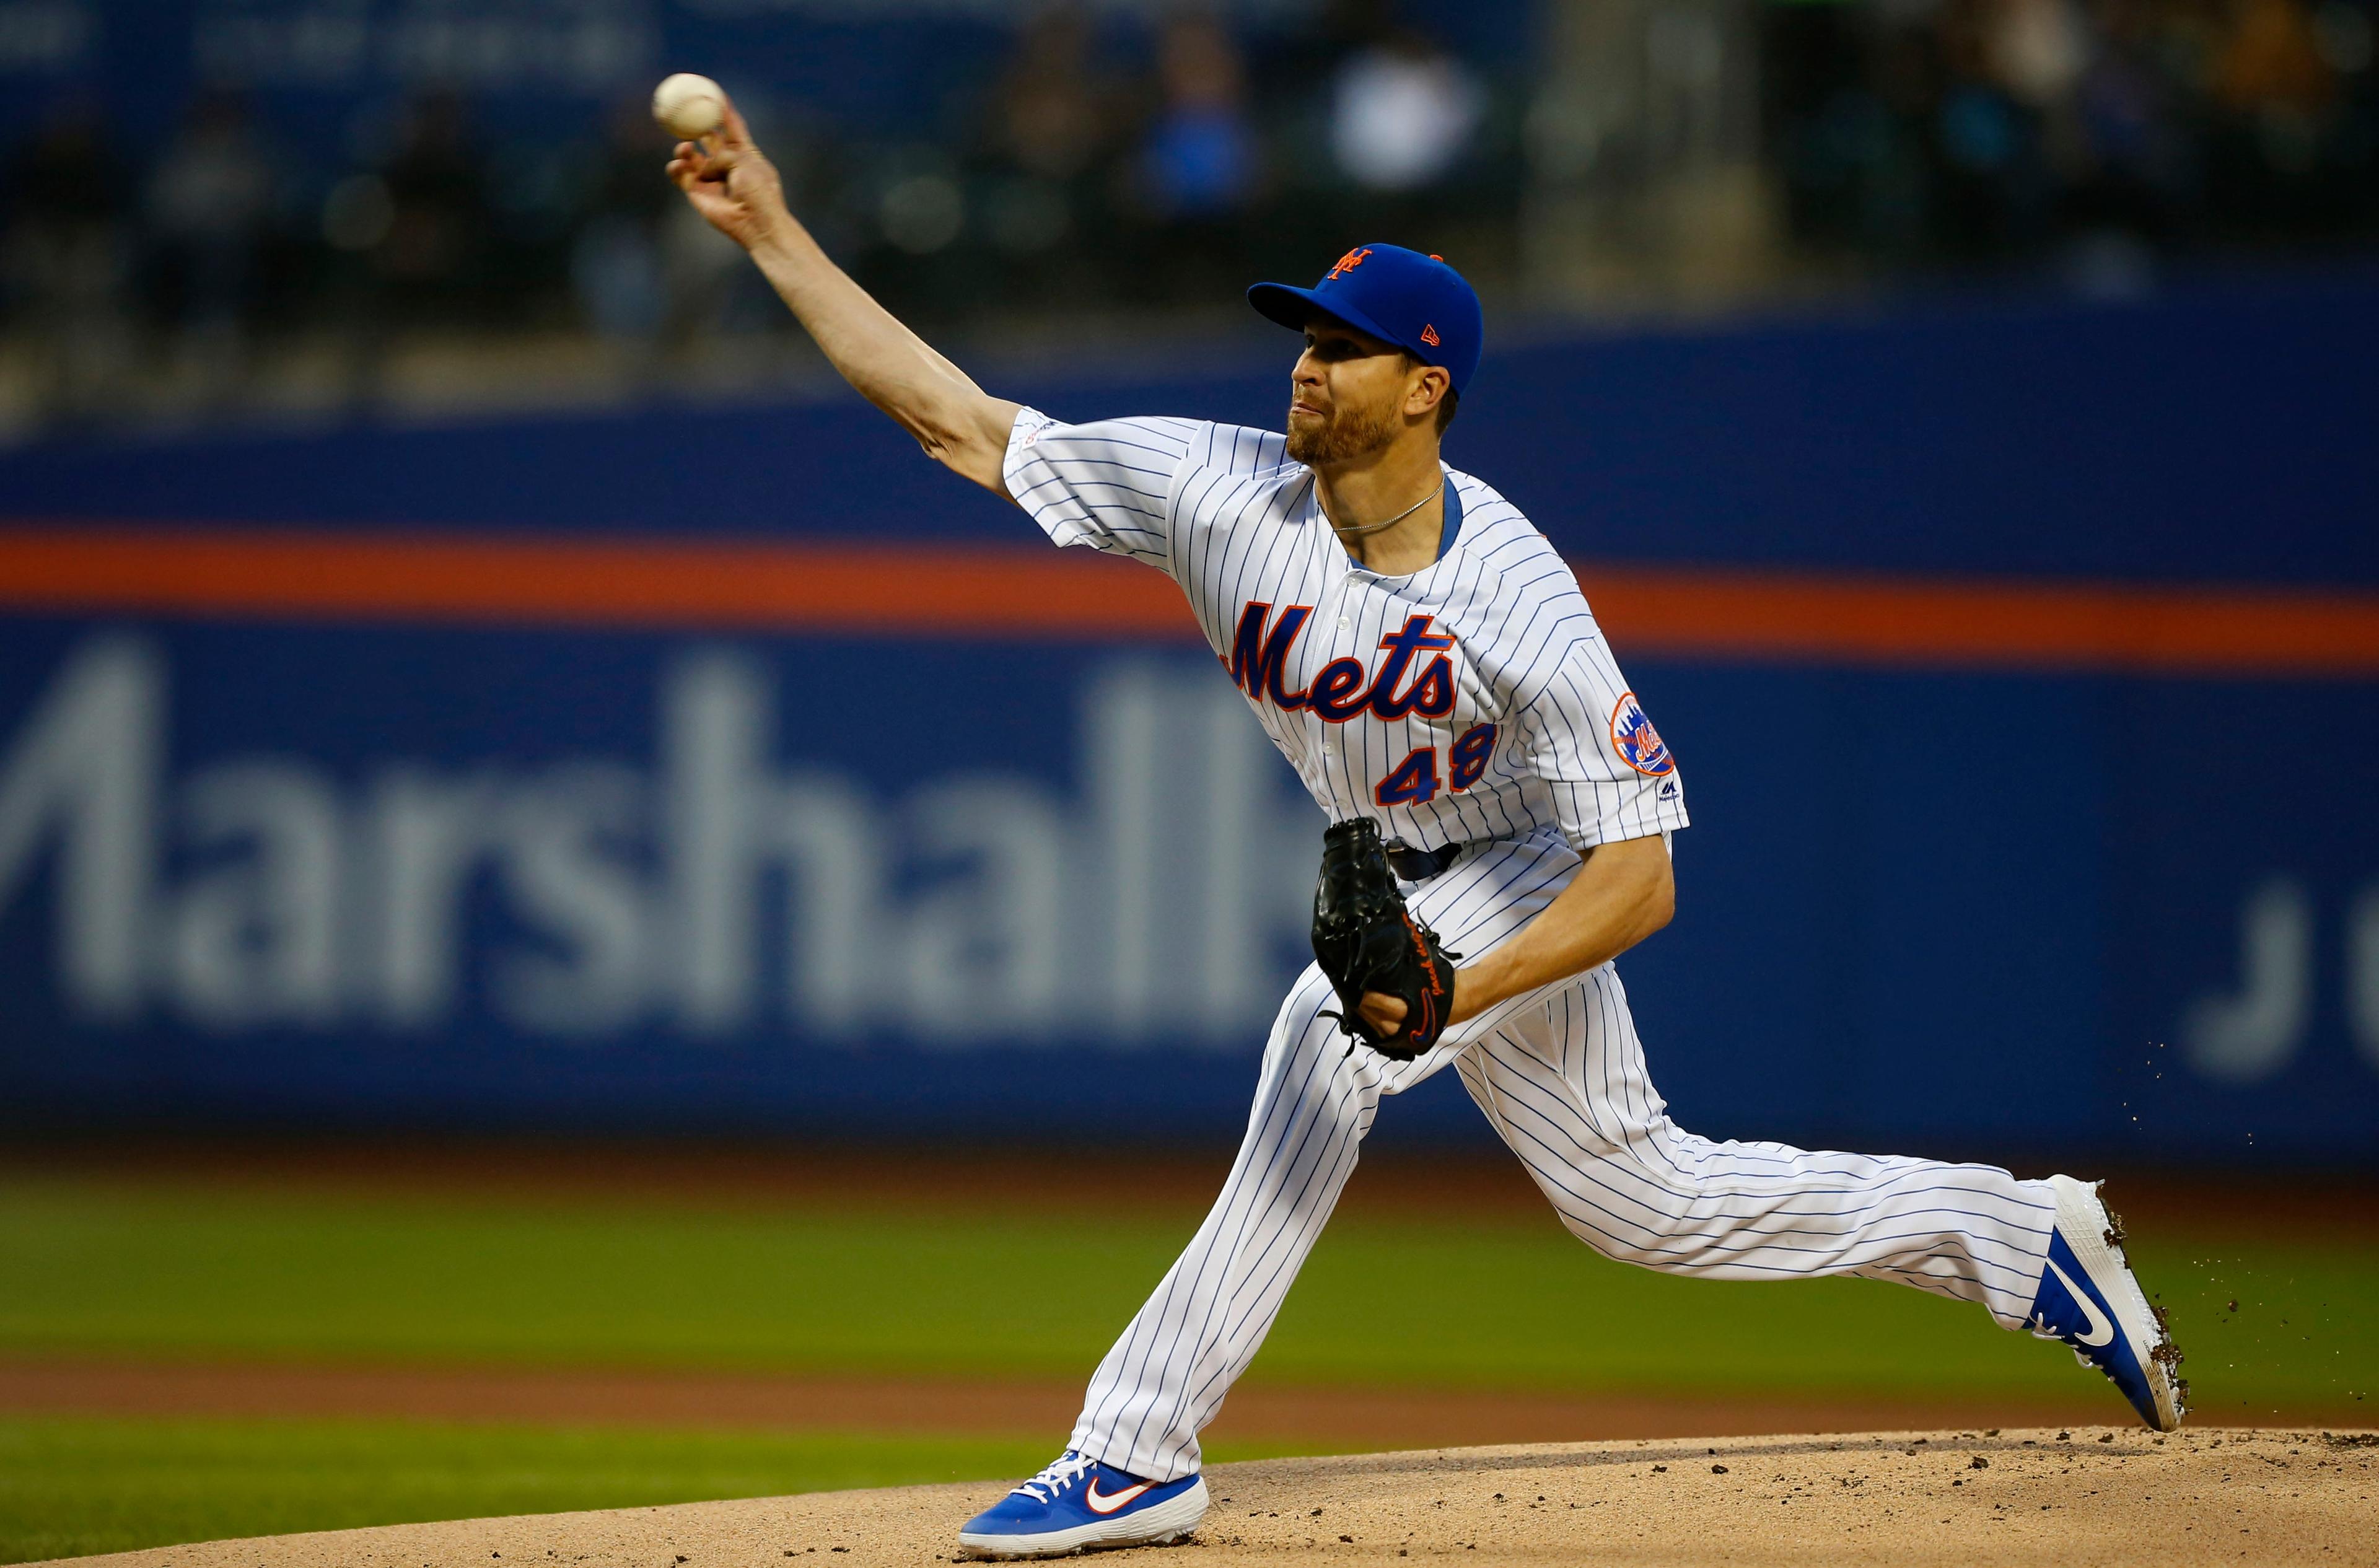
column 731, row 183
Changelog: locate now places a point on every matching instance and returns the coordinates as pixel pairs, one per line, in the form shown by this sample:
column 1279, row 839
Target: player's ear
column 1427, row 389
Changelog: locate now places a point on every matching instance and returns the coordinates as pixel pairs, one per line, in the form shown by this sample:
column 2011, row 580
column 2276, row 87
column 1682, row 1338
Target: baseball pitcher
column 1502, row 810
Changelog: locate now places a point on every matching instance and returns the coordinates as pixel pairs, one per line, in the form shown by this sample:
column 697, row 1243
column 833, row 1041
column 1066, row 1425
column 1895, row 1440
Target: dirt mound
column 2078, row 1496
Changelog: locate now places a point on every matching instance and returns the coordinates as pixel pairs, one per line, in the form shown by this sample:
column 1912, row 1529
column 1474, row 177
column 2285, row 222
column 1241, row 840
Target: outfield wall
column 710, row 771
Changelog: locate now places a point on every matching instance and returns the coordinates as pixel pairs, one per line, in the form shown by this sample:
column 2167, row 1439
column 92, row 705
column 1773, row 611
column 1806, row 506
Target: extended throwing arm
column 733, row 186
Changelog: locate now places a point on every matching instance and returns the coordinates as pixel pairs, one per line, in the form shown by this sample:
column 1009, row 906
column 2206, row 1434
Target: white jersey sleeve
column 1588, row 739
column 1109, row 485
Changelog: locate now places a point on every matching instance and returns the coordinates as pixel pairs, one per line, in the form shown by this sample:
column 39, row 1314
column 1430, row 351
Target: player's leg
column 1129, row 1472
column 1315, row 1100
column 1167, row 1374
column 1565, row 1086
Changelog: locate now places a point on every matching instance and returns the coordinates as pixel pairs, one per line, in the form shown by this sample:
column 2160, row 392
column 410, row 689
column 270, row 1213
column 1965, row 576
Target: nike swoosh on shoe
column 1098, row 1502
column 2102, row 1327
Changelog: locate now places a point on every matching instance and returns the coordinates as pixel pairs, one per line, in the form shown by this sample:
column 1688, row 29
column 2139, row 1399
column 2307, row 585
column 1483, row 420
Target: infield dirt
column 2072, row 1496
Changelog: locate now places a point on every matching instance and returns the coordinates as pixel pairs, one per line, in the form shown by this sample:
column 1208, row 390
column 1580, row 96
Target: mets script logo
column 1262, row 653
column 1638, row 745
column 1348, row 263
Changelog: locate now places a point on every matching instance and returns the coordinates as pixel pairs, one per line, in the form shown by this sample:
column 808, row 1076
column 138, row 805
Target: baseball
column 688, row 106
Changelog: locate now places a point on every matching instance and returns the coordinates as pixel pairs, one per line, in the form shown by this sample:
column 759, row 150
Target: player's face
column 1349, row 390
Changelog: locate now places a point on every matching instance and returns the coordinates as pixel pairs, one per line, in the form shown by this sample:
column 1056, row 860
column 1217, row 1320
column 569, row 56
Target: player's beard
column 1347, row 434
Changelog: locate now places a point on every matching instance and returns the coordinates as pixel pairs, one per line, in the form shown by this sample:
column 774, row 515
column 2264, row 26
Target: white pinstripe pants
column 1560, row 1075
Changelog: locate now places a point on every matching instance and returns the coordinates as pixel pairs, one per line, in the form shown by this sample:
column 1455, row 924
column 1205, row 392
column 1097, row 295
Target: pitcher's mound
column 2082, row 1496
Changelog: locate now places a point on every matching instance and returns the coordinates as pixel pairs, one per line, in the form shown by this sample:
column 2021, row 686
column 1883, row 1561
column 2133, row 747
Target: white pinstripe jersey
column 1474, row 699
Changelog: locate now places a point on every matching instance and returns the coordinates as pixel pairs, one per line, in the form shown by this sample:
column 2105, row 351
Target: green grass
column 72, row 1487
column 1504, row 1302
column 102, row 1268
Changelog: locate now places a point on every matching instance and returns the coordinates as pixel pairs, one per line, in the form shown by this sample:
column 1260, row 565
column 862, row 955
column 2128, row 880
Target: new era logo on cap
column 1400, row 296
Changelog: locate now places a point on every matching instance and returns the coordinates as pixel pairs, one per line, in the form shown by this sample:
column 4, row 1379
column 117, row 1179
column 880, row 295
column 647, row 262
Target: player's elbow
column 1658, row 905
column 970, row 460
column 1661, row 904
column 969, row 438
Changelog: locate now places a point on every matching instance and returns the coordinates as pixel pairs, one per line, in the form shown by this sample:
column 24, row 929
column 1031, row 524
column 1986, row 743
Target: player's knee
column 1649, row 1235
column 1308, row 1051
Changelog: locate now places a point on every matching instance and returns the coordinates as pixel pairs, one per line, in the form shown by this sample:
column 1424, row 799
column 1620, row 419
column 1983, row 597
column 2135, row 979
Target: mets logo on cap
column 1638, row 745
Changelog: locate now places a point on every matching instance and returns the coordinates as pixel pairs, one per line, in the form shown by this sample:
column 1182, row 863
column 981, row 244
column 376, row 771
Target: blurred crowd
column 1099, row 163
column 1100, row 166
column 2102, row 136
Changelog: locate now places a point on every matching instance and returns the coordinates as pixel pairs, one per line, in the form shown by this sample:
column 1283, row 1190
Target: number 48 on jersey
column 1414, row 782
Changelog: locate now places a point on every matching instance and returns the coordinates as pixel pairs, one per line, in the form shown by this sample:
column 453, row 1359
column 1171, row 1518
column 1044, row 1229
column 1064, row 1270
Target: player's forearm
column 1623, row 893
column 956, row 421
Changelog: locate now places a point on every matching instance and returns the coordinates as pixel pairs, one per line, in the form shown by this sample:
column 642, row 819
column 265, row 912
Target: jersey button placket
column 1349, row 583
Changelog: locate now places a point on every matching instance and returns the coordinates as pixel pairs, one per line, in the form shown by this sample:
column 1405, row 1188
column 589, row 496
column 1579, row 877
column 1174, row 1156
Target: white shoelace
column 1046, row 1485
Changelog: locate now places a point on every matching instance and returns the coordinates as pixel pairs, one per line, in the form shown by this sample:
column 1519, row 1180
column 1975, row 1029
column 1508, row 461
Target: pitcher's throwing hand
column 733, row 184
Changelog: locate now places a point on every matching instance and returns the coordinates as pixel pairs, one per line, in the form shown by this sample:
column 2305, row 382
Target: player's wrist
column 770, row 239
column 1478, row 985
column 1473, row 993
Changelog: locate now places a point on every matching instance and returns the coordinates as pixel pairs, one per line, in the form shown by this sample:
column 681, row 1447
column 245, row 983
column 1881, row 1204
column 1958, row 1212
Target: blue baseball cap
column 1401, row 296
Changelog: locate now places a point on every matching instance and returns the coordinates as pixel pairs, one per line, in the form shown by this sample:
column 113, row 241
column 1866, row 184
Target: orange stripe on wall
column 2047, row 626
column 1015, row 591
column 1032, row 592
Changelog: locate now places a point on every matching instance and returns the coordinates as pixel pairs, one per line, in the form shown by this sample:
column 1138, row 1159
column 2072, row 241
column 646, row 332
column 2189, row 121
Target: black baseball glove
column 1365, row 939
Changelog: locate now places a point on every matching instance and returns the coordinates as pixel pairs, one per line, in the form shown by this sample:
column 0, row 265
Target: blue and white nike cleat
column 2090, row 1299
column 1078, row 1505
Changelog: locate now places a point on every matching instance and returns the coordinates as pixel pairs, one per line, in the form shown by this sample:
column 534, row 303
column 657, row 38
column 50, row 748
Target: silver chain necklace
column 1349, row 532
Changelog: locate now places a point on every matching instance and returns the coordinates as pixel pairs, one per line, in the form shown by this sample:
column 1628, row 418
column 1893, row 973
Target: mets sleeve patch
column 1638, row 745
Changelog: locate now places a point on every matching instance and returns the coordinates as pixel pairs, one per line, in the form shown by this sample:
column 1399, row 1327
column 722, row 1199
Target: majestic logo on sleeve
column 1263, row 651
column 1638, row 745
